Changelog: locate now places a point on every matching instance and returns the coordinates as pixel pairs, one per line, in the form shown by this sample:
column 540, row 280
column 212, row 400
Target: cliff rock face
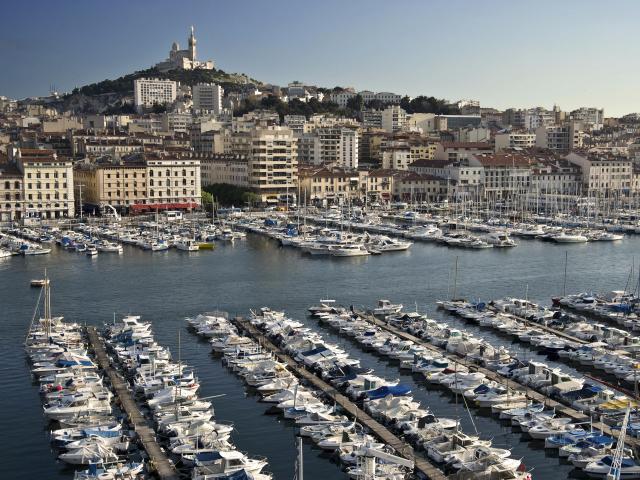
column 103, row 103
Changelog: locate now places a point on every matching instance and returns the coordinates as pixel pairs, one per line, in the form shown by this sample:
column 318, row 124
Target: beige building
column 48, row 183
column 173, row 180
column 454, row 151
column 229, row 169
column 11, row 204
column 273, row 162
column 378, row 184
column 415, row 187
column 330, row 185
column 603, row 175
column 118, row 185
column 396, row 157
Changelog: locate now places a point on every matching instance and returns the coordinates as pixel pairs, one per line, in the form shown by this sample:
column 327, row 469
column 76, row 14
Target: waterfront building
column 173, row 180
column 378, row 184
column 153, row 91
column 603, row 175
column 505, row 174
column 273, row 162
column 224, row 168
column 11, row 188
column 119, row 184
column 415, row 187
column 463, row 180
column 328, row 185
column 48, row 188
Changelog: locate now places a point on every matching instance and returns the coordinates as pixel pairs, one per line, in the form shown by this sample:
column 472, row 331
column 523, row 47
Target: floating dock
column 422, row 466
column 559, row 408
column 158, row 461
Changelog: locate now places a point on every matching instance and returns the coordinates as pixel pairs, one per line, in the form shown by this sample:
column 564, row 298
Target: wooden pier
column 422, row 465
column 158, row 461
column 559, row 408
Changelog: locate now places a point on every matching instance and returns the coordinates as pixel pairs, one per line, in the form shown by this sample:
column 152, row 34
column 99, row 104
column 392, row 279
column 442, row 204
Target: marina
column 255, row 249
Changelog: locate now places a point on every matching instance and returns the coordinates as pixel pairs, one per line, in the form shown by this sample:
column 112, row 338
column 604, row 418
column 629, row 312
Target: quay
column 544, row 328
column 422, row 466
column 158, row 461
column 559, row 408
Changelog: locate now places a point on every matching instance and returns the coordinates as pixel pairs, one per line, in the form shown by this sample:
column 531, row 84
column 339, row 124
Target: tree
column 207, row 200
column 355, row 103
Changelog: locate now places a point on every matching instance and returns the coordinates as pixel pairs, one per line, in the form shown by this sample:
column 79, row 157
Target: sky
column 504, row 53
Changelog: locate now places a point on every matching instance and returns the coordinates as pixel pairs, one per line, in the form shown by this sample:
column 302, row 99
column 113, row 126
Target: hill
column 116, row 96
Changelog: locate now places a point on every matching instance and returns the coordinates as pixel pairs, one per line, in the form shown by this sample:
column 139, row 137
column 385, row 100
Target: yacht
column 500, row 239
column 187, row 245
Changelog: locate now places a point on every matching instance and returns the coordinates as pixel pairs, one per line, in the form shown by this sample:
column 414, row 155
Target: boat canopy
column 396, row 391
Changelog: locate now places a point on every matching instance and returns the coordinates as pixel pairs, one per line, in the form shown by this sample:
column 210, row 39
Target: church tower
column 192, row 45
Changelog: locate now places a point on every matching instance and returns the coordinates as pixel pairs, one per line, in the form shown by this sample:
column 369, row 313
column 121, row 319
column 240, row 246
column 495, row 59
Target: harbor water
column 166, row 287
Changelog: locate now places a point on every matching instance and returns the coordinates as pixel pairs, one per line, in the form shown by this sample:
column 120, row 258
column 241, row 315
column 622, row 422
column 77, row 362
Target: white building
column 560, row 138
column 396, row 157
column 514, row 140
column 603, row 175
column 394, row 119
column 208, row 96
column 592, row 118
column 154, row 91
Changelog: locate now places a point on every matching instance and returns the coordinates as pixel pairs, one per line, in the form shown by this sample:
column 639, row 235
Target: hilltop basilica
column 184, row 59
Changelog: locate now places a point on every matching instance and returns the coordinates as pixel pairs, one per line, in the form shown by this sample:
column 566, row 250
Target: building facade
column 153, row 91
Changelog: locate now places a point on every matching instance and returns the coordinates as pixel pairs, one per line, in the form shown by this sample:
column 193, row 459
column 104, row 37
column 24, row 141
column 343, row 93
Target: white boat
column 109, row 247
column 500, row 239
column 565, row 237
column 187, row 245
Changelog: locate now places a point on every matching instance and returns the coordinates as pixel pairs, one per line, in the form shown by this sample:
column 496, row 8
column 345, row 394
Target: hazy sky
column 503, row 53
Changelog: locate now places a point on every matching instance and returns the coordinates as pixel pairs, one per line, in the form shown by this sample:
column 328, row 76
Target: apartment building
column 208, row 97
column 505, row 174
column 329, row 185
column 455, row 151
column 11, row 204
column 512, row 140
column 560, row 138
column 153, row 91
column 224, row 168
column 273, row 163
column 463, row 180
column 48, row 188
column 117, row 184
column 603, row 175
column 172, row 179
column 396, row 157
column 394, row 119
column 415, row 187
